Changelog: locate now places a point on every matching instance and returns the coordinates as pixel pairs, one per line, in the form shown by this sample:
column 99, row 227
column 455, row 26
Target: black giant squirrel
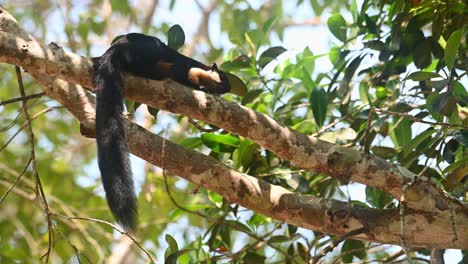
column 148, row 57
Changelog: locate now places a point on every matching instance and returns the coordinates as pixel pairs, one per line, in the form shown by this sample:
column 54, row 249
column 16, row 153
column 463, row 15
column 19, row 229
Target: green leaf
column 241, row 62
column 245, row 154
column 337, row 26
column 269, row 24
column 117, row 38
column 364, row 92
column 384, row 152
column 345, row 134
column 253, row 258
column 377, row 197
column 319, row 104
column 408, row 149
column 249, row 38
column 220, row 143
column 153, row 111
column 120, row 6
column 191, row 143
column 214, row 197
column 266, row 30
column 459, row 163
column 270, row 54
column 460, row 92
column 443, row 103
column 450, row 150
column 451, row 48
column 401, row 134
column 353, row 9
column 175, row 37
column 83, row 30
column 173, row 247
column 303, row 251
column 422, row 76
column 334, row 55
column 238, row 226
column 462, row 137
column 305, row 126
column 251, row 96
column 422, row 54
column 356, row 248
column 279, row 239
column 238, row 87
column 349, row 73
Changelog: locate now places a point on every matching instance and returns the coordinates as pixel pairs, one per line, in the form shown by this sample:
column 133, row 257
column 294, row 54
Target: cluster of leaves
column 410, row 67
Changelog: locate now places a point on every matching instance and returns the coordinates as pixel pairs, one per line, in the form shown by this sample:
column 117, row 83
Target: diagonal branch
column 323, row 215
column 304, row 151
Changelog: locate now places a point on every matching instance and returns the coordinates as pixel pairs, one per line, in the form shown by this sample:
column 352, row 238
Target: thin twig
column 402, row 216
column 209, row 218
column 419, row 120
column 27, row 97
column 202, row 129
column 25, row 124
column 77, row 252
column 121, row 231
column 16, row 181
column 366, row 135
column 39, row 189
column 336, row 242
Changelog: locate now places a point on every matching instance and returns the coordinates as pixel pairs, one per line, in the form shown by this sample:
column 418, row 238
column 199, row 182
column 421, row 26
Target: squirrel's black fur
column 148, row 57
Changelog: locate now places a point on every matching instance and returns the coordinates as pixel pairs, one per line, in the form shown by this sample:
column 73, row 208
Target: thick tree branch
column 304, row 151
column 429, row 208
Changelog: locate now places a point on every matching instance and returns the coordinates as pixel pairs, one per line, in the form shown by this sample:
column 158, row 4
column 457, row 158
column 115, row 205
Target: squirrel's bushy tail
column 113, row 158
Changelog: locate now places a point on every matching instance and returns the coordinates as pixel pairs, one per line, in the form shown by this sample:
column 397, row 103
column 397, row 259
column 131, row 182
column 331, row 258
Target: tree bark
column 443, row 218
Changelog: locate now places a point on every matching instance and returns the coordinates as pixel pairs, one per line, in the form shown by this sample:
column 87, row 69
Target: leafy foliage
column 403, row 60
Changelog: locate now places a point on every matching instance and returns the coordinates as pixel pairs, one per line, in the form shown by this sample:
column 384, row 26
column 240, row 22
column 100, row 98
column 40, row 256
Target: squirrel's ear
column 238, row 87
column 214, row 67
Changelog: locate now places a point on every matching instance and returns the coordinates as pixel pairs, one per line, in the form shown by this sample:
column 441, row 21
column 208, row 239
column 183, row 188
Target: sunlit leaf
column 451, row 49
column 337, row 26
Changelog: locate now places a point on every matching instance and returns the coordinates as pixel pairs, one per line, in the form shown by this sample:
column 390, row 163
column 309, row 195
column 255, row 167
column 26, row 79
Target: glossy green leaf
column 173, row 247
column 422, row 76
column 452, row 47
column 270, row 54
column 238, row 86
column 337, row 26
column 220, row 143
column 319, row 103
column 253, row 258
column 175, row 37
